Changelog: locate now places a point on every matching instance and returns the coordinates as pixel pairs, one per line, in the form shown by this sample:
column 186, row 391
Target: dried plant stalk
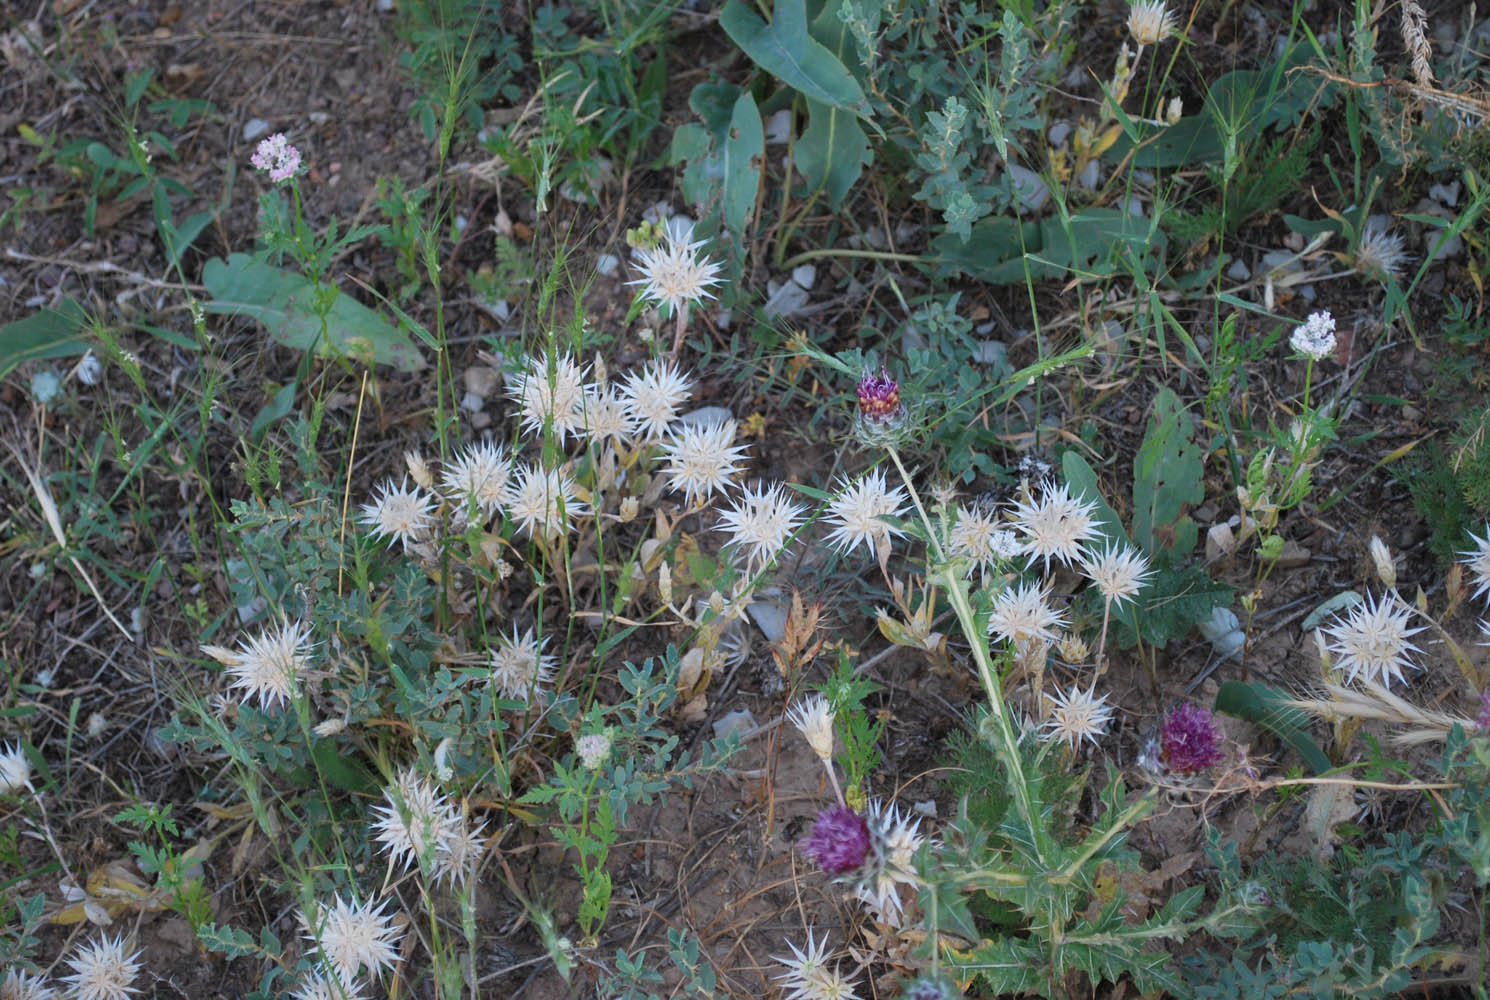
column 1376, row 702
column 1415, row 35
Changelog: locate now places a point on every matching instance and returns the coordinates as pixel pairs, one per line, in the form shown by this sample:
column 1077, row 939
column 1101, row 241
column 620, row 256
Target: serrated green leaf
column 1260, row 704
column 229, row 941
column 48, row 333
column 744, row 149
column 284, row 303
column 786, row 50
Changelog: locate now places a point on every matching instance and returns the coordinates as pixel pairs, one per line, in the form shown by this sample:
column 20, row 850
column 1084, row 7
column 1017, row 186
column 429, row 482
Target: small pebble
column 255, row 128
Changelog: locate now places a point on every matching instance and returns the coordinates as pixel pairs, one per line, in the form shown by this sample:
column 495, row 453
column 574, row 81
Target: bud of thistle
column 814, row 720
column 1175, row 111
column 839, row 841
column 630, row 507
column 665, row 583
column 881, row 413
column 419, row 469
column 1386, row 569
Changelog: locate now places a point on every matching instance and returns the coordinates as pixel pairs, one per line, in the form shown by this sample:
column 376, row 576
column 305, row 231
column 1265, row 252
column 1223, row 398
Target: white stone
column 254, row 128
column 1238, row 271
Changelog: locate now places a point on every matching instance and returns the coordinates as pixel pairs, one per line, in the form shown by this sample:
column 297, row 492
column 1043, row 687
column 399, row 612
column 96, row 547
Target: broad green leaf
column 277, row 408
column 1000, row 250
column 50, row 333
column 784, row 49
column 1260, row 704
column 744, row 149
column 284, row 302
column 834, row 150
column 1168, row 475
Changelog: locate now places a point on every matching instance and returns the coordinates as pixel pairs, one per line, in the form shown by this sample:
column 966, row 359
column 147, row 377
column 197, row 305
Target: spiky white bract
column 806, row 968
column 549, row 392
column 519, row 667
column 318, row 987
column 1055, row 525
column 674, row 273
column 1477, row 561
column 479, row 475
column 761, row 523
column 1023, row 613
column 15, row 769
column 813, row 718
column 416, row 821
column 654, row 395
column 1077, row 715
column 1379, row 253
column 268, row 666
column 896, row 838
column 542, row 501
column 17, row 985
column 353, row 936
column 1149, row 21
column 701, row 461
column 978, row 535
column 400, row 513
column 104, row 970
column 857, row 513
column 1119, row 572
column 1372, row 641
column 607, row 418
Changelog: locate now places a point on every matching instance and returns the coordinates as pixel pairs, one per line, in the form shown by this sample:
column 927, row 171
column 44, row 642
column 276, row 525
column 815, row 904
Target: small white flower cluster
column 1315, row 337
column 420, row 827
column 894, row 840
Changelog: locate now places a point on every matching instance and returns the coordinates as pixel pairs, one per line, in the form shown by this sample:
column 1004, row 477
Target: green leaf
column 1000, row 250
column 229, row 941
column 834, row 150
column 285, row 303
column 784, row 49
column 744, row 149
column 278, row 407
column 1168, row 475
column 50, row 333
column 1266, row 707
column 339, row 770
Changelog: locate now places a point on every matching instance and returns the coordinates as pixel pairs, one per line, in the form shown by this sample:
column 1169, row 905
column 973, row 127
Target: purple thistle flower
column 1483, row 719
column 1191, row 740
column 879, row 398
column 839, row 841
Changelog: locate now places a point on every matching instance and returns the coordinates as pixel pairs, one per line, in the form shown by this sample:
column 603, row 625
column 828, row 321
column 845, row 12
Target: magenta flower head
column 839, row 841
column 1191, row 740
column 882, row 416
column 1483, row 719
column 277, row 157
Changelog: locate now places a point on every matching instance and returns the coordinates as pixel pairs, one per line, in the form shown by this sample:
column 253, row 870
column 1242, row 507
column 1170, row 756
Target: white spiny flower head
column 1477, row 561
column 354, row 935
column 978, row 535
column 593, row 749
column 104, row 970
column 417, row 822
column 655, row 395
column 269, row 665
column 1315, row 336
column 15, row 769
column 1056, row 525
column 401, row 513
column 550, row 391
column 607, row 418
column 462, row 851
column 1119, row 572
column 315, row 986
column 1023, row 613
column 857, row 513
column 519, row 667
column 1149, row 21
column 701, row 461
column 1372, row 641
column 1077, row 715
column 833, row 985
column 542, row 501
column 894, row 840
column 761, row 523
column 18, row 985
column 674, row 273
column 813, row 718
column 1379, row 253
column 480, row 475
column 805, row 968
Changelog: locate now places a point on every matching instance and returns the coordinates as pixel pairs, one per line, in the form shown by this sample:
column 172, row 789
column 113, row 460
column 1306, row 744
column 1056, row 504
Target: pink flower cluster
column 1191, row 740
column 839, row 841
column 276, row 156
